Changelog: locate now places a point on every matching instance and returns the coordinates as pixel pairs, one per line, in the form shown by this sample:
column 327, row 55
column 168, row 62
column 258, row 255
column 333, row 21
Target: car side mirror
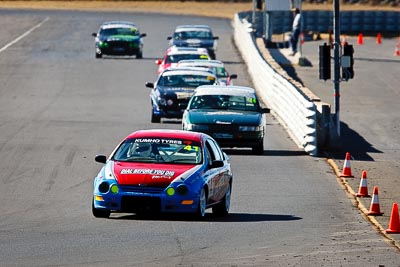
column 143, row 35
column 215, row 37
column 217, row 164
column 100, row 159
column 158, row 62
column 265, row 110
column 169, row 37
column 149, row 85
column 94, row 34
column 233, row 76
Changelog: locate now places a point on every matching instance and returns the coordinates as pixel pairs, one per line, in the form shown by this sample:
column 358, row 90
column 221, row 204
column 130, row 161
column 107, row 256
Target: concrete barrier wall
column 295, row 110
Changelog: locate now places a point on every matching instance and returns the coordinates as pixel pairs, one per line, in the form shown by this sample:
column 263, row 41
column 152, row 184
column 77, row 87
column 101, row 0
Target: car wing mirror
column 169, row 37
column 149, row 85
column 94, row 34
column 217, row 164
column 233, row 76
column 215, row 37
column 143, row 35
column 265, row 110
column 158, row 62
column 100, row 159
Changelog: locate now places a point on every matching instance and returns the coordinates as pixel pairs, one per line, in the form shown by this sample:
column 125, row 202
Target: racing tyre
column 201, row 208
column 222, row 208
column 100, row 213
column 139, row 55
column 258, row 149
column 98, row 55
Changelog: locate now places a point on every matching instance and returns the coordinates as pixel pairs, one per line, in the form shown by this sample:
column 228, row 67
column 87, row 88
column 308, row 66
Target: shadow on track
column 231, row 217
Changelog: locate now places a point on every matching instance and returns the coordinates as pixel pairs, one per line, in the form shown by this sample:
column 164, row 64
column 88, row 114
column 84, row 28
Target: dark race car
column 120, row 38
column 230, row 114
column 154, row 171
column 171, row 92
column 195, row 36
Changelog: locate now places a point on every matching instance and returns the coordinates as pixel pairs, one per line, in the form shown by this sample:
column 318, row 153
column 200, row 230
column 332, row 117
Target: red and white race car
column 174, row 54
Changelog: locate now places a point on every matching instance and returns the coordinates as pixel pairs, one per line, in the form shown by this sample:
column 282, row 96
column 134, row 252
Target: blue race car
column 195, row 36
column 153, row 171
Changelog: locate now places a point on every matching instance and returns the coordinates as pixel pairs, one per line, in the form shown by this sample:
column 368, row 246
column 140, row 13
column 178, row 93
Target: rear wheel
column 100, row 213
column 222, row 208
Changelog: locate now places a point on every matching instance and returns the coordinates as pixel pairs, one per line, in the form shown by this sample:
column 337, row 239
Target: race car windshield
column 192, row 35
column 225, row 102
column 186, row 80
column 157, row 150
column 178, row 57
column 119, row 31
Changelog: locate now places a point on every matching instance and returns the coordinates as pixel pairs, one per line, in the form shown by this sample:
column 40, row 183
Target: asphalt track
column 59, row 107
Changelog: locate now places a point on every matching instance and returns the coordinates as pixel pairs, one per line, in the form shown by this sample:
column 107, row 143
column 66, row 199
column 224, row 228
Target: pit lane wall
column 295, row 110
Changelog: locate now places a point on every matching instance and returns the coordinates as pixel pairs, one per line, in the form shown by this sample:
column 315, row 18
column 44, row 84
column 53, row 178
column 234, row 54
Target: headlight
column 103, row 44
column 250, row 128
column 196, row 127
column 180, row 190
column 162, row 101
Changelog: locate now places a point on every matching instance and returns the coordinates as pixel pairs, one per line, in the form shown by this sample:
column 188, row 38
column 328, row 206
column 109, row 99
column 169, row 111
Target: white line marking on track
column 23, row 35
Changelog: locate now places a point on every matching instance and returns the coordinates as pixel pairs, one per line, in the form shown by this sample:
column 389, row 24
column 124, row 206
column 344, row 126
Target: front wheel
column 201, row 207
column 100, row 213
column 139, row 55
column 259, row 149
column 222, row 208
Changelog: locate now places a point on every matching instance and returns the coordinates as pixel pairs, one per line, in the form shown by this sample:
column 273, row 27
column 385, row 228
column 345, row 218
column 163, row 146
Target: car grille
column 142, row 189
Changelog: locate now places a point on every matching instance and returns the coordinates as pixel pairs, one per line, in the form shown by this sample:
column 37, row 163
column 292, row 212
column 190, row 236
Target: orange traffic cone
column 346, row 167
column 397, row 50
column 344, row 40
column 302, row 39
column 378, row 38
column 360, row 39
column 375, row 209
column 394, row 223
column 363, row 189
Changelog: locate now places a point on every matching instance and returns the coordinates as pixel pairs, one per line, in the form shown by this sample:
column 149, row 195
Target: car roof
column 118, row 24
column 225, row 90
column 188, row 71
column 167, row 133
column 174, row 50
column 192, row 27
column 199, row 62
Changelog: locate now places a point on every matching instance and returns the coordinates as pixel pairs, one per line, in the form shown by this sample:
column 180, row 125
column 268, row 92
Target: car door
column 217, row 176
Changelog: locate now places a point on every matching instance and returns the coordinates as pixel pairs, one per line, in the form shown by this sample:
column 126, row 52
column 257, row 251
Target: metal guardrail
column 293, row 108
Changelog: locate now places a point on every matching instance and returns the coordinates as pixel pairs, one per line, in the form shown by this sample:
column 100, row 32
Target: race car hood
column 178, row 92
column 204, row 116
column 145, row 174
column 126, row 38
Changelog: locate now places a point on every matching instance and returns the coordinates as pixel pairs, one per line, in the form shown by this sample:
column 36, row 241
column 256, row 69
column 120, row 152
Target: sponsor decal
column 156, row 173
column 159, row 141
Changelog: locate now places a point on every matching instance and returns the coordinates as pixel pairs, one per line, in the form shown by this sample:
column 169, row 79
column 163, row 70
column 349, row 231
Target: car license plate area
column 140, row 204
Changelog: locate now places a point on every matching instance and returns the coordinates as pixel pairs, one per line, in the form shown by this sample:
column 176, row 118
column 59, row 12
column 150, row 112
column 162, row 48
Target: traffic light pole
column 336, row 60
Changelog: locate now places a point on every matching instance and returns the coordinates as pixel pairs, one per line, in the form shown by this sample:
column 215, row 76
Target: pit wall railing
column 295, row 110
